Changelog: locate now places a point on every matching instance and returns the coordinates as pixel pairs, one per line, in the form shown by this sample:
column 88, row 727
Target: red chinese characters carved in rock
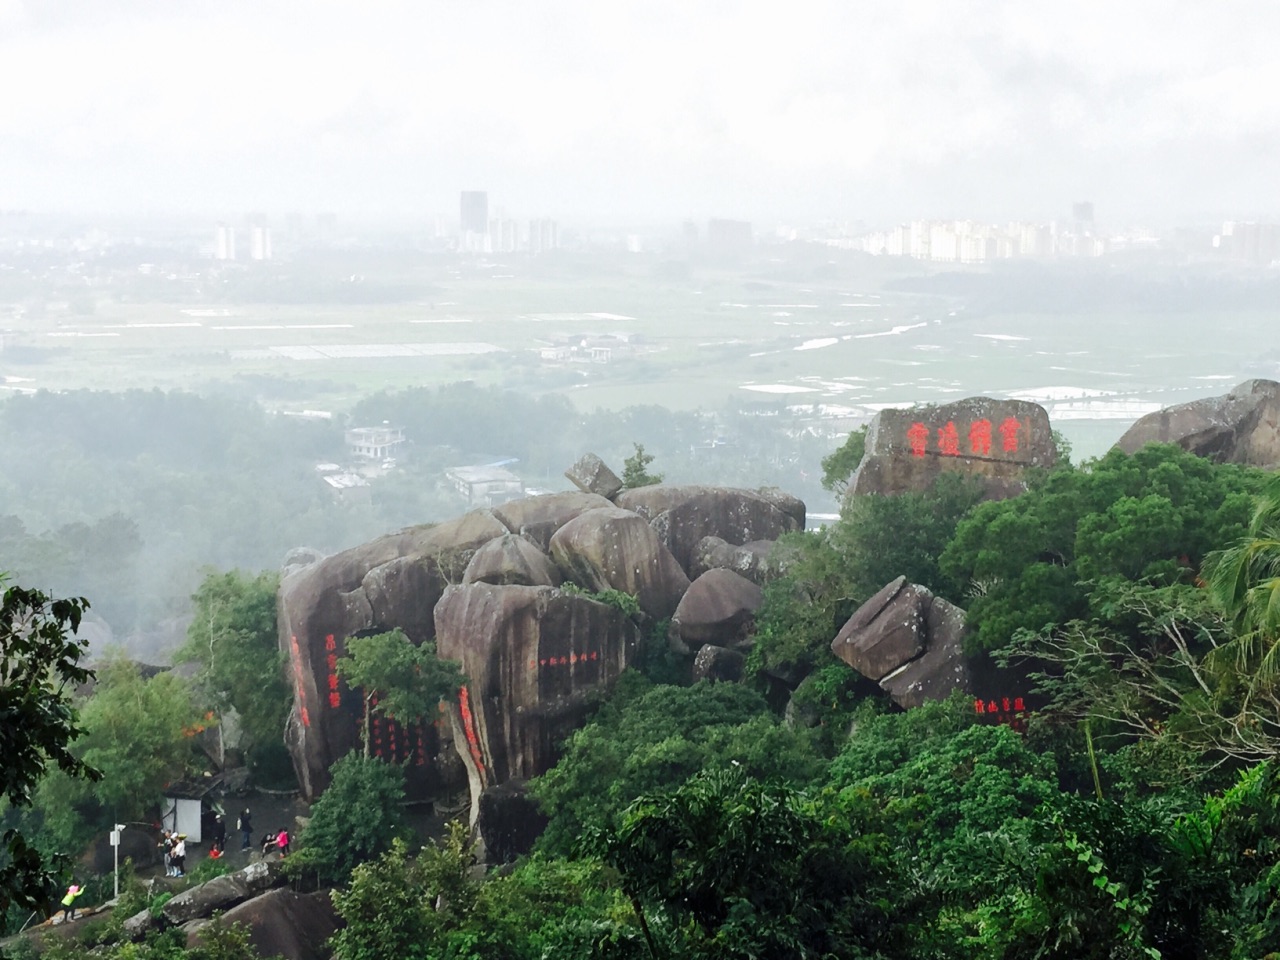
column 980, row 437
column 949, row 440
column 917, row 439
column 1009, row 428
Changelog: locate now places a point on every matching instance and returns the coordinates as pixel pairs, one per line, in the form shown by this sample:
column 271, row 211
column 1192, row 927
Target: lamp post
column 115, row 845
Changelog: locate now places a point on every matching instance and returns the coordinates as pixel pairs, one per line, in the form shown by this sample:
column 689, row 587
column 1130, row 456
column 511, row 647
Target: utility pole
column 115, row 846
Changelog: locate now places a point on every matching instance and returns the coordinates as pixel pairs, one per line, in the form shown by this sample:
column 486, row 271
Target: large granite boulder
column 285, row 924
column 510, row 821
column 393, row 581
column 719, row 664
column 1242, row 426
column 222, row 893
column 512, row 559
column 994, row 441
column 536, row 659
column 538, row 518
column 591, row 475
column 683, row 515
column 614, row 549
column 750, row 560
column 718, row 608
column 909, row 641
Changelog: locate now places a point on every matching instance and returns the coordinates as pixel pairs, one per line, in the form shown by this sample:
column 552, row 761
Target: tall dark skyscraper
column 475, row 211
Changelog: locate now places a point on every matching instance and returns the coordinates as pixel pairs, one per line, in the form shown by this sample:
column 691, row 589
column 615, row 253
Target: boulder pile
column 525, row 596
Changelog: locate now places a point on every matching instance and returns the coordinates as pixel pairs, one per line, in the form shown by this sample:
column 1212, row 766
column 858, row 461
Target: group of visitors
column 174, row 845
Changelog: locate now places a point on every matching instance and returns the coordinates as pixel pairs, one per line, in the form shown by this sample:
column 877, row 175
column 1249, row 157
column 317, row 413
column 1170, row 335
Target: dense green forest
column 126, row 497
column 1131, row 600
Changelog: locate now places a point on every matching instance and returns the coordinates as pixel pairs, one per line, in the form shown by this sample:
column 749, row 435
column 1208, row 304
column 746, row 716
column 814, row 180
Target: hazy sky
column 1162, row 111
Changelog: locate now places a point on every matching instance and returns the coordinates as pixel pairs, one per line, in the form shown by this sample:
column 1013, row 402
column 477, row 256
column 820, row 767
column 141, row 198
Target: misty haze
column 524, row 430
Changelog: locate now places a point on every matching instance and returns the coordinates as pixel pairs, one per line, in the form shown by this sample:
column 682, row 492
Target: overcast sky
column 1160, row 111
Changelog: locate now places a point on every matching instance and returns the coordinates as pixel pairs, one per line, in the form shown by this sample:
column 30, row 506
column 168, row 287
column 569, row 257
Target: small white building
column 374, row 443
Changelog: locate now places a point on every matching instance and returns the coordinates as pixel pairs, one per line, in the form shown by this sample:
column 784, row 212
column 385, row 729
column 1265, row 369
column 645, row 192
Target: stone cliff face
column 994, row 441
column 485, row 588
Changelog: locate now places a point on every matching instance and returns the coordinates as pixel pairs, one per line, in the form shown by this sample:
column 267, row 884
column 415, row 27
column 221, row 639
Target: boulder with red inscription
column 536, row 659
column 1241, row 427
column 907, row 640
column 393, row 581
column 993, row 441
column 683, row 515
column 614, row 549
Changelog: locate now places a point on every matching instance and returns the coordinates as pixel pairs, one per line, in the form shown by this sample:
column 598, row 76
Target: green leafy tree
column 650, row 738
column 742, row 868
column 355, row 820
column 408, row 681
column 838, row 467
column 39, row 670
column 635, row 469
column 233, row 636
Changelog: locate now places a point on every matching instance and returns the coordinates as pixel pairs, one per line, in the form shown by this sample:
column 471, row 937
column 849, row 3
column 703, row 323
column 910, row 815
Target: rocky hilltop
column 513, row 594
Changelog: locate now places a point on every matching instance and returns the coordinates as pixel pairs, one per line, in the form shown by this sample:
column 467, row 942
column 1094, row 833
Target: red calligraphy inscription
column 949, row 440
column 1009, row 428
column 980, row 437
column 469, row 727
column 917, row 438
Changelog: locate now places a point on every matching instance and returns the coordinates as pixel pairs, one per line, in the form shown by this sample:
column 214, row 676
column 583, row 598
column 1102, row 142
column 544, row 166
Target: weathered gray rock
column 941, row 669
column 718, row 608
column 750, row 560
column 287, row 924
column 391, row 582
column 994, row 441
column 1242, row 426
column 683, row 515
column 909, row 641
column 793, row 507
column 512, row 559
column 591, row 475
column 535, row 659
column 139, row 925
column 720, row 664
column 886, row 631
column 222, row 893
column 510, row 821
column 614, row 549
column 538, row 518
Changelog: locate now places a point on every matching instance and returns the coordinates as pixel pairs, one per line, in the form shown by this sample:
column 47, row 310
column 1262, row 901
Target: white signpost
column 115, row 845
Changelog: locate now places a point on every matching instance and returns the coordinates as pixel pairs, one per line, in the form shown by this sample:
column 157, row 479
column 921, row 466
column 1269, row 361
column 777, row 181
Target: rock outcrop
column 994, row 441
column 534, row 658
column 682, row 516
column 750, row 560
column 613, row 549
column 223, row 893
column 512, row 559
column 719, row 663
column 718, row 608
column 591, row 475
column 1242, row 426
column 510, row 821
column 285, row 924
column 484, row 587
column 907, row 640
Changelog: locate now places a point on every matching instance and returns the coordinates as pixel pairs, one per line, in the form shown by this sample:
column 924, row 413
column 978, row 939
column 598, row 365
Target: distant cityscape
column 482, row 227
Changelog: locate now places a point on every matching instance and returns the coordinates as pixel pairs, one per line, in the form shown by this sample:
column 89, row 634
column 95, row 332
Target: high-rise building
column 224, row 242
column 475, row 211
column 260, row 243
column 544, row 235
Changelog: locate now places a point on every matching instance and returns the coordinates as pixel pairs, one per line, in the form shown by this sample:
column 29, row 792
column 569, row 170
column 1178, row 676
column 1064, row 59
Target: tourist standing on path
column 219, row 834
column 69, row 902
column 282, row 842
column 180, row 856
column 246, row 830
